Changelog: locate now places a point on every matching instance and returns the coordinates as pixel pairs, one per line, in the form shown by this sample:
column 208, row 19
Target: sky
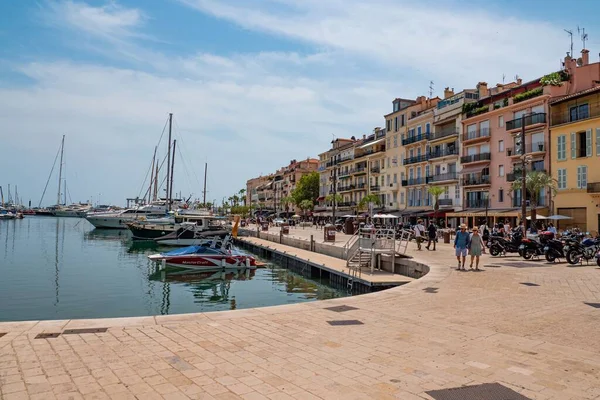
column 251, row 84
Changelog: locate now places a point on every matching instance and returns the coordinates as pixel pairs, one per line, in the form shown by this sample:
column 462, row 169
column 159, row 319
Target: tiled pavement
column 444, row 330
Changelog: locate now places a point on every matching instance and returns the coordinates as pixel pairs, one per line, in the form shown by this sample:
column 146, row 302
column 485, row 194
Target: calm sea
column 63, row 268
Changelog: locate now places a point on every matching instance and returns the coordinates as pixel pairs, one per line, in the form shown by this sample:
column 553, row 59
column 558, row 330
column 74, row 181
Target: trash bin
column 349, row 226
column 446, row 236
column 285, row 229
column 329, row 231
column 265, row 226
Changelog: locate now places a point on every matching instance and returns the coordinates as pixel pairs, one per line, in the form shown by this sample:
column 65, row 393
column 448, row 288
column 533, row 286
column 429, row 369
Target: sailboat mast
column 156, row 183
column 172, row 170
column 62, row 148
column 204, row 191
column 151, row 176
column 169, row 160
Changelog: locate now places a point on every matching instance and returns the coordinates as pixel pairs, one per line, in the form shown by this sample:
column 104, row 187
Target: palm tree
column 370, row 198
column 242, row 194
column 286, row 201
column 334, row 198
column 535, row 182
column 306, row 205
column 436, row 192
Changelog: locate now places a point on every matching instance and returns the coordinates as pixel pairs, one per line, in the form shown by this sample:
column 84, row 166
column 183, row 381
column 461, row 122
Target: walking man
column 431, row 235
column 419, row 233
column 461, row 243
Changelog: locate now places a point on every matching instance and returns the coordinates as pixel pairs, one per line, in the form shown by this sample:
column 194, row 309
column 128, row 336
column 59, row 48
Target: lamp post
column 523, row 178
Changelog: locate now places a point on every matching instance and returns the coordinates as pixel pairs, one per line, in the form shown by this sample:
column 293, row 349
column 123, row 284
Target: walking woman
column 476, row 247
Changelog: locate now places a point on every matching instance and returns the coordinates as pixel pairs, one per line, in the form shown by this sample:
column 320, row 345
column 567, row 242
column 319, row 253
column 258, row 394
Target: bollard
column 163, row 264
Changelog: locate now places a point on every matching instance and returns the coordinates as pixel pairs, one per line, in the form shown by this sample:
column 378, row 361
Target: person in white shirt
column 419, row 233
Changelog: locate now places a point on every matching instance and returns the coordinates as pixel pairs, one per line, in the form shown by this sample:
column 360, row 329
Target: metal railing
column 477, row 203
column 530, row 119
column 375, row 170
column 476, row 180
column 346, row 188
column 566, row 116
column 475, row 158
column 375, row 188
column 449, row 176
column 413, row 181
column 477, row 134
column 442, row 134
column 448, row 151
column 593, row 187
column 415, row 159
column 415, row 138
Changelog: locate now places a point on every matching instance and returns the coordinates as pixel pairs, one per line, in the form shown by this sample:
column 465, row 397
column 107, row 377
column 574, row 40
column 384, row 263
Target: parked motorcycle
column 598, row 258
column 530, row 248
column 587, row 250
column 501, row 245
column 553, row 248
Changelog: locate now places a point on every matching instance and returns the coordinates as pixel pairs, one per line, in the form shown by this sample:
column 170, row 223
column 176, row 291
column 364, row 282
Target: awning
column 321, row 198
column 371, row 143
column 473, row 169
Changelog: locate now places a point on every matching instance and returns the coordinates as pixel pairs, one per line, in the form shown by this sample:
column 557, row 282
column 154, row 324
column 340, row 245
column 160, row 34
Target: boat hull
column 68, row 213
column 108, row 222
column 141, row 232
column 206, row 262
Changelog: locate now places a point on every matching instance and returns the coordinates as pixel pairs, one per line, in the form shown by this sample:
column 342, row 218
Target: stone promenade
column 529, row 326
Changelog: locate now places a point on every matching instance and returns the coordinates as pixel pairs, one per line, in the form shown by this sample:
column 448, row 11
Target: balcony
column 445, row 202
column 482, row 134
column 346, row 204
column 375, row 188
column 361, row 185
column 476, row 180
column 444, row 152
column 345, row 173
column 375, row 170
column 477, row 203
column 473, row 158
column 593, row 187
column 346, row 188
column 566, row 116
column 442, row 134
column 414, row 181
column 415, row 159
column 359, row 170
column 530, row 119
column 415, row 138
column 393, row 205
column 537, row 147
column 450, row 176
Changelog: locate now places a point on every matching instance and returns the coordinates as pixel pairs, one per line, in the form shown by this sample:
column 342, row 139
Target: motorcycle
column 553, row 248
column 598, row 258
column 587, row 250
column 500, row 245
column 530, row 248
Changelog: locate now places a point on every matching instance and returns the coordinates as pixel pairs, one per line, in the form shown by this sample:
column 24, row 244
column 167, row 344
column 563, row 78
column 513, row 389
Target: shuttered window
column 588, row 143
column 562, row 179
column 582, row 177
column 573, row 145
column 562, row 147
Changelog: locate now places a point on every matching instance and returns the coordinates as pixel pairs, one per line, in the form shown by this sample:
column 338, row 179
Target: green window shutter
column 584, row 177
column 588, row 143
column 598, row 141
column 573, row 146
column 578, row 177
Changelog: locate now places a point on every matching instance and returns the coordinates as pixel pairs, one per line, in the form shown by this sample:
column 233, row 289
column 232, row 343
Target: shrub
column 528, row 95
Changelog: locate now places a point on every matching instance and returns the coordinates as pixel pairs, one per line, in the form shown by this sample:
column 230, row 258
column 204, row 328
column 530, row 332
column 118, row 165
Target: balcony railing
column 593, row 187
column 537, row 147
column 444, row 202
column 442, row 134
column 476, row 134
column 415, row 138
column 448, row 151
column 375, row 170
column 530, row 119
column 346, row 204
column 346, row 188
column 475, row 158
column 450, row 176
column 414, row 181
column 415, row 159
column 476, row 179
column 566, row 117
column 477, row 203
column 375, row 188
column 361, row 185
column 515, row 175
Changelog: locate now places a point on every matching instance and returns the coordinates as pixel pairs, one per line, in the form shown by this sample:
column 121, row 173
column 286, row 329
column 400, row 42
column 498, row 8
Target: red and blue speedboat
column 206, row 257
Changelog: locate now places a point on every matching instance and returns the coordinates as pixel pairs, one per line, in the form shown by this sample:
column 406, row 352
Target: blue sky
column 252, row 84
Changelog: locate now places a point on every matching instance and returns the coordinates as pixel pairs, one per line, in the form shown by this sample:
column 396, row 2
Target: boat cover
column 191, row 250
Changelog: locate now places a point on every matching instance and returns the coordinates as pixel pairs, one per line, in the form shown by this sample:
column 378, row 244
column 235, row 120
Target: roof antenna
column 571, row 35
column 584, row 36
column 503, row 78
column 430, row 89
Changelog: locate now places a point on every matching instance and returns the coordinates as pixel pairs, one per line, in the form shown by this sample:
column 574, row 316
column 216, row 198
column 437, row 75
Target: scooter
column 530, row 248
column 553, row 248
column 500, row 245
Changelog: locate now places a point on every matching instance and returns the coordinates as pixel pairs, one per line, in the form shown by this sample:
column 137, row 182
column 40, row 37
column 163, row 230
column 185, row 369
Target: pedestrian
column 476, row 247
column 431, row 235
column 419, row 233
column 461, row 242
column 551, row 228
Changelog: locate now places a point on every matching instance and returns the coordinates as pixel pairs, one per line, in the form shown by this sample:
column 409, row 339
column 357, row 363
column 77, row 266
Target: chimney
column 420, row 99
column 585, row 57
column 482, row 89
column 364, row 137
column 448, row 93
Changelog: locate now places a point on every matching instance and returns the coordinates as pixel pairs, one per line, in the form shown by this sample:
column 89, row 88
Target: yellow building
column 575, row 139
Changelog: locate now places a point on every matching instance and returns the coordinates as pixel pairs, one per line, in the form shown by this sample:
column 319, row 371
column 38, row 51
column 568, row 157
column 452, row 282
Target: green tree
column 436, row 192
column 370, row 198
column 306, row 205
column 242, row 194
column 307, row 188
column 535, row 182
column 334, row 198
column 286, row 202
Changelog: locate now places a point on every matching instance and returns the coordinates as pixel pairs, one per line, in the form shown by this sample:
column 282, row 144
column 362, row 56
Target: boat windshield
column 192, row 250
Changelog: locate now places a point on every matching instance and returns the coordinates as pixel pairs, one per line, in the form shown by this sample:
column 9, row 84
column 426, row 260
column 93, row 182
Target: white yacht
column 74, row 210
column 118, row 219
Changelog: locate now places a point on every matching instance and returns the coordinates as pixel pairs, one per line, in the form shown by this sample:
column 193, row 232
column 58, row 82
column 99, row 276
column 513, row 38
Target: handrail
column 349, row 244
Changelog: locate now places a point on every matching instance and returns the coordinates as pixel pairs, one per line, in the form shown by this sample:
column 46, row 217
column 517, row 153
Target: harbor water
column 63, row 268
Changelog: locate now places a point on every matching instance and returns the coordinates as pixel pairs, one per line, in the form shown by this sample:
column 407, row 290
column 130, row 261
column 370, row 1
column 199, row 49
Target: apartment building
column 575, row 150
column 443, row 156
column 334, row 160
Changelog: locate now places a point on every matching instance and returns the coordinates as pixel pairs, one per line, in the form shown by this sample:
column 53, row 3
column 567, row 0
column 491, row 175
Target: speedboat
column 5, row 214
column 190, row 234
column 118, row 219
column 206, row 257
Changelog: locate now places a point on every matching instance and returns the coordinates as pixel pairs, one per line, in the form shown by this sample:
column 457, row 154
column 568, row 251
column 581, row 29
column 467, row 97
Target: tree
column 436, row 192
column 306, row 205
column 286, row 201
column 334, row 198
column 370, row 198
column 535, row 182
column 242, row 194
column 307, row 188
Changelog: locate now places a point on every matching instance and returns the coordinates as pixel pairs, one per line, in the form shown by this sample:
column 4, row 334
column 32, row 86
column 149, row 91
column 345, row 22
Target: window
column 395, row 196
column 401, row 197
column 402, row 176
column 395, row 178
column 581, row 144
column 411, row 153
column 396, row 106
column 457, row 192
column 562, row 147
column 501, row 196
column 396, row 124
column 471, row 131
column 537, row 142
column 395, row 140
column 562, row 178
column 388, row 179
column 411, row 173
column 418, row 172
column 427, row 128
column 484, row 127
column 446, row 192
column 389, row 125
column 501, row 170
column 501, row 145
column 402, row 120
column 582, row 177
column 579, row 112
column 419, row 152
column 388, row 162
column 500, row 121
column 598, row 141
column 537, row 109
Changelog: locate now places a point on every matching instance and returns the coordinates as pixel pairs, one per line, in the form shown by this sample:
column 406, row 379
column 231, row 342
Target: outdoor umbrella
column 538, row 217
column 558, row 217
